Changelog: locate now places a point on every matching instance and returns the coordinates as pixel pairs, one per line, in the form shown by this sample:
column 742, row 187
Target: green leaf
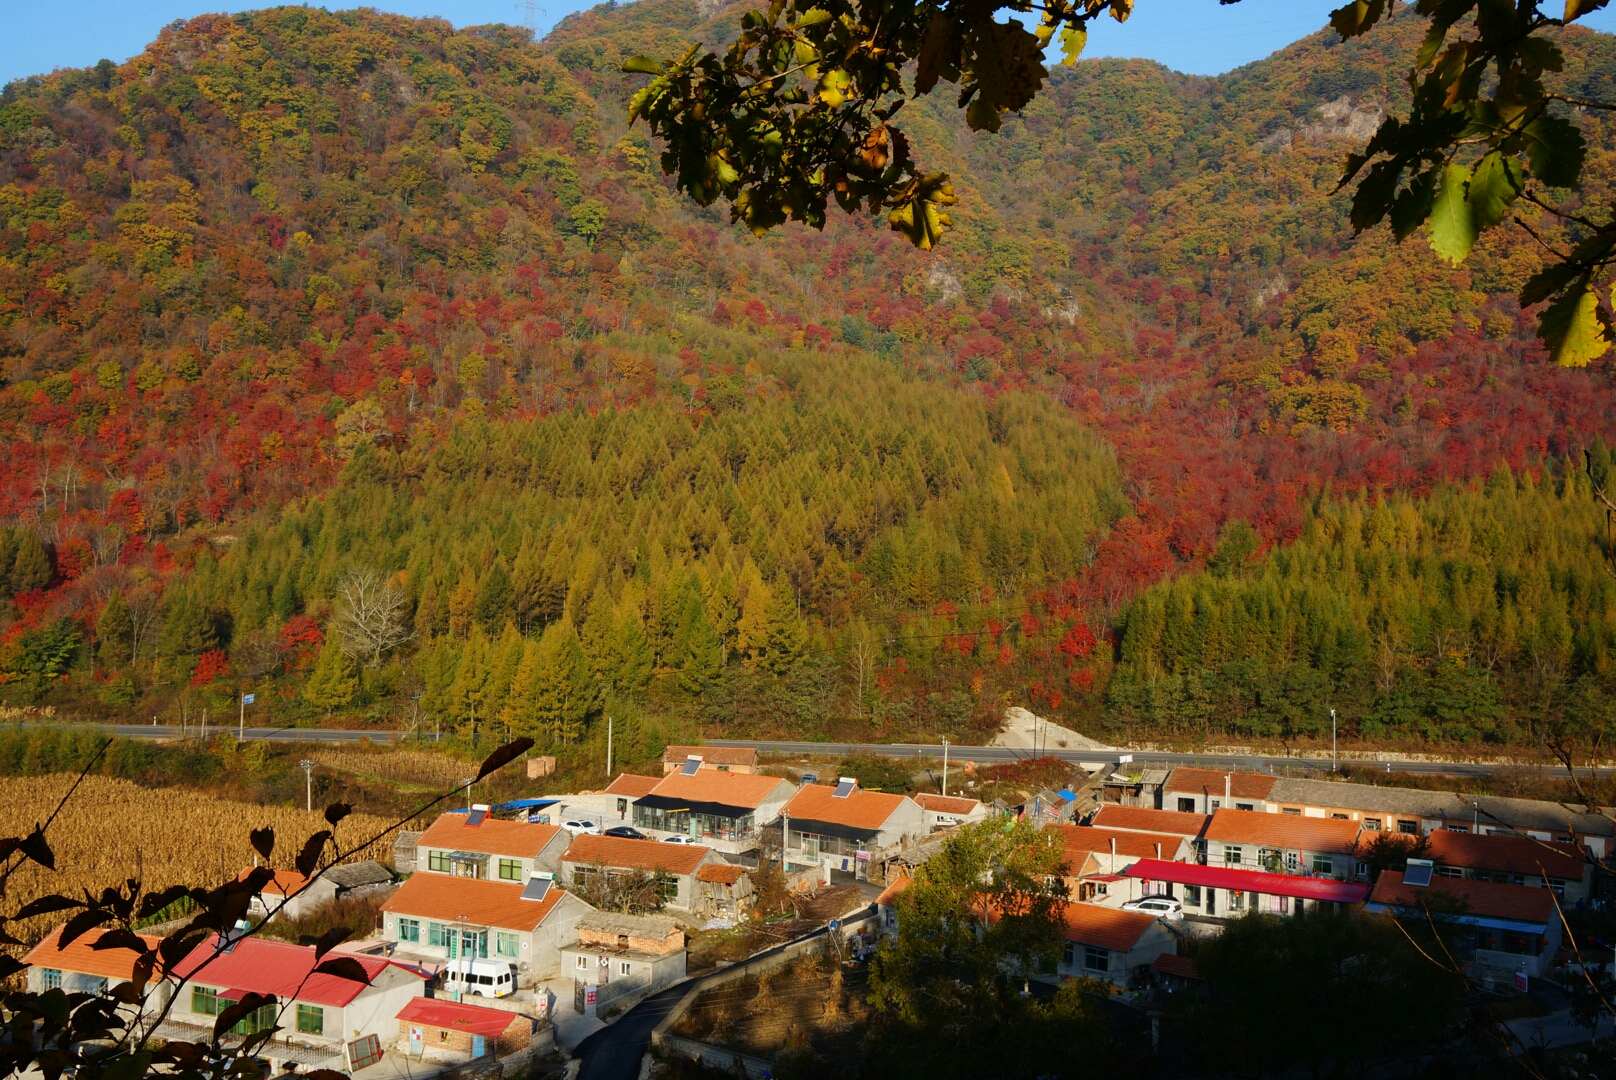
column 812, row 17
column 1555, row 150
column 1356, row 18
column 1497, row 182
column 1572, row 330
column 1073, row 39
column 642, row 65
column 1452, row 224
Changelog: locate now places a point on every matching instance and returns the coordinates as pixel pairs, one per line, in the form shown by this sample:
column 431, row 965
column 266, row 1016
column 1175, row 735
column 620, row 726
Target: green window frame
column 409, row 930
column 51, row 978
column 510, row 869
column 205, row 1000
column 439, row 861
column 507, row 944
column 261, row 1019
column 310, row 1019
column 1323, row 864
column 437, row 935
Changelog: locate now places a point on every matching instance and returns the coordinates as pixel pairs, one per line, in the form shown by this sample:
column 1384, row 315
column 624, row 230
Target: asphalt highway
column 194, row 731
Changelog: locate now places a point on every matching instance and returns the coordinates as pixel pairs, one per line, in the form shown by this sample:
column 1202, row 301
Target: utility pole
column 308, row 780
column 1332, row 740
column 241, row 723
column 468, row 781
column 945, row 768
column 608, row 748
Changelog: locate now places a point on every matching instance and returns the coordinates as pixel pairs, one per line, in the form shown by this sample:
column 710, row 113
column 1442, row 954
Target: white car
column 581, row 826
column 1163, row 907
column 680, row 840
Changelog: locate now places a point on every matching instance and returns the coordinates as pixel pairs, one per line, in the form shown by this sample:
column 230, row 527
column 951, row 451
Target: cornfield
column 112, row 830
column 437, row 771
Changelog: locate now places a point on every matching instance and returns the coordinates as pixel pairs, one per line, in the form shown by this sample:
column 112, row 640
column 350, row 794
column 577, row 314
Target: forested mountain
column 297, row 296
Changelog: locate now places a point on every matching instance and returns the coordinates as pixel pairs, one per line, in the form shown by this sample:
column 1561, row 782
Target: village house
column 1221, row 892
column 1139, row 787
column 723, row 810
column 1513, row 927
column 81, row 968
column 1114, row 850
column 1140, row 819
column 1107, row 944
column 737, row 759
column 1281, row 843
column 886, row 908
column 620, row 857
column 625, row 791
column 837, row 827
column 947, row 811
column 1510, row 860
column 325, row 1021
column 291, row 895
column 1413, row 811
column 439, row 917
column 476, row 845
column 1204, row 791
column 623, row 954
column 723, row 891
column 445, row 1032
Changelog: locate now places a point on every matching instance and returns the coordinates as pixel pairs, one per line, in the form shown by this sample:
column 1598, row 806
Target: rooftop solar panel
column 475, row 818
column 844, row 787
column 1418, row 872
column 537, row 888
column 691, row 767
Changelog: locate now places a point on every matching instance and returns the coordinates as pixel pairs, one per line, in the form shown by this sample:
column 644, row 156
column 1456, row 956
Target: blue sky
column 1196, row 36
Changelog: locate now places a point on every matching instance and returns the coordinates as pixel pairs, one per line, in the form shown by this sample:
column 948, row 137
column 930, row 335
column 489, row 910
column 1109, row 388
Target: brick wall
column 516, row 1037
column 674, row 941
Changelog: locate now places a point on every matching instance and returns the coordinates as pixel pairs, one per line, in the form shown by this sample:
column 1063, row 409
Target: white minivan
column 481, row 978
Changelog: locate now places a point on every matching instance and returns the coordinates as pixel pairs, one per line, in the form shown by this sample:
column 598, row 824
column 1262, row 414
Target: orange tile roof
column 1135, row 845
column 445, row 898
column 284, row 883
column 890, row 893
column 1108, row 928
column 114, row 964
column 1512, row 854
column 860, row 810
column 1242, row 785
column 945, row 804
column 746, row 790
column 711, row 755
column 1291, row 832
column 1181, row 966
column 1489, row 899
column 632, row 785
column 647, row 855
column 1143, row 819
column 720, row 873
column 493, row 837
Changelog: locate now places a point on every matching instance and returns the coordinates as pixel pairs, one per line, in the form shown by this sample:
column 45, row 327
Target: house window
column 409, row 930
column 1404, row 825
column 1245, row 806
column 510, row 869
column 507, row 944
column 311, row 1019
column 1096, row 958
column 625, row 968
column 1450, row 871
column 258, row 1020
column 205, row 1000
column 1339, row 817
column 439, row 861
column 1294, row 811
column 1293, row 861
column 1232, row 855
column 581, row 963
column 1372, row 824
column 892, row 920
column 1458, row 828
column 1192, row 896
column 52, row 978
column 1186, row 806
column 1323, row 864
column 1217, row 804
column 437, row 935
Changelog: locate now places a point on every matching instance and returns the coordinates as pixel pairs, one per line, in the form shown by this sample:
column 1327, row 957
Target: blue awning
column 526, row 804
column 1464, row 920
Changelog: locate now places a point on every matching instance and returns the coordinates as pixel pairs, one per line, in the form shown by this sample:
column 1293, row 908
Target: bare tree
column 370, row 615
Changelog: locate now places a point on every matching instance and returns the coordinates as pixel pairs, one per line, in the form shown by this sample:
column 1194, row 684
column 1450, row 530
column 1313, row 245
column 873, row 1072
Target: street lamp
column 308, row 777
column 467, row 782
column 460, row 954
column 1332, row 740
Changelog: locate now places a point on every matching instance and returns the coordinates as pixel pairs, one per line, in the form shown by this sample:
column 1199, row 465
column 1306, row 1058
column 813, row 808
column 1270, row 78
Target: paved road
column 279, row 734
column 988, row 755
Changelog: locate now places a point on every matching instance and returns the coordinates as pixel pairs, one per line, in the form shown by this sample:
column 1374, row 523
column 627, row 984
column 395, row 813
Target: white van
column 480, row 978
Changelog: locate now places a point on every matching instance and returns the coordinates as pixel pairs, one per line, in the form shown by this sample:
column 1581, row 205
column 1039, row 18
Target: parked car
column 1163, row 907
column 627, row 832
column 680, row 840
column 581, row 826
column 480, row 978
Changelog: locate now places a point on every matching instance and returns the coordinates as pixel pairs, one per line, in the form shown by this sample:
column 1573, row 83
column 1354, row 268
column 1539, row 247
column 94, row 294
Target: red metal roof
column 442, row 1013
column 276, row 967
column 1254, row 881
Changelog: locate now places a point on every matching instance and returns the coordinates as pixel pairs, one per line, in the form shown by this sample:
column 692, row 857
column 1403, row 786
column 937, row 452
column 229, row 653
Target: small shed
column 722, row 890
column 436, row 1029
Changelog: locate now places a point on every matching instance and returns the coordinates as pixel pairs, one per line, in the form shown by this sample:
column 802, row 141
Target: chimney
column 1228, row 782
column 1158, row 851
column 1113, row 867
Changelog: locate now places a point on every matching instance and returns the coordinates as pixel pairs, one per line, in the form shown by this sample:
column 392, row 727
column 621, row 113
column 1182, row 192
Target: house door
column 1211, row 901
column 479, row 1046
column 415, row 1041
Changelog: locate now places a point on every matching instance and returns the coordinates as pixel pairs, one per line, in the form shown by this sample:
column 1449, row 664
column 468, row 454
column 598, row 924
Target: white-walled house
column 80, row 968
column 1107, row 944
column 492, row 849
column 833, row 826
